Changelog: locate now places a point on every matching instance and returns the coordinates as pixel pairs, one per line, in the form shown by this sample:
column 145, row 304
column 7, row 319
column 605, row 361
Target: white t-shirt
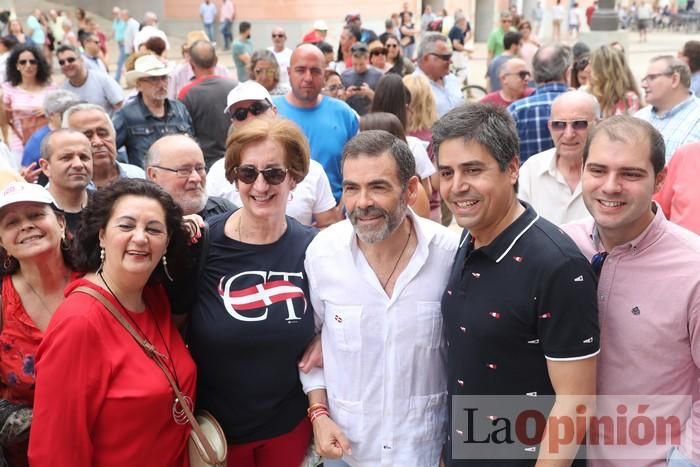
column 424, row 167
column 558, row 12
column 574, row 17
column 283, row 59
column 312, row 196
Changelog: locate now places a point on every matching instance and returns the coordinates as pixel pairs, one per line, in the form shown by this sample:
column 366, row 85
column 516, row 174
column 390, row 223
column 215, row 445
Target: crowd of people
column 278, row 236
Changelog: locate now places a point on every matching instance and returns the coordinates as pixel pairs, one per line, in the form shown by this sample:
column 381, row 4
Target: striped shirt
column 531, row 115
column 678, row 126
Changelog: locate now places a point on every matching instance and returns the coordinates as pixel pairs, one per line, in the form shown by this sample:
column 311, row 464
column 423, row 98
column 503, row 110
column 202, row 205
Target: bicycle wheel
column 473, row 92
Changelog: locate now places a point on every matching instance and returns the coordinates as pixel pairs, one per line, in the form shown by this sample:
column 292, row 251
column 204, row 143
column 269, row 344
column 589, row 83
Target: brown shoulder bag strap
column 151, row 351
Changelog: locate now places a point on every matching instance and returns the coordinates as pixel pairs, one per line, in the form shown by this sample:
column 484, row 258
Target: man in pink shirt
column 648, row 292
column 226, row 17
column 679, row 196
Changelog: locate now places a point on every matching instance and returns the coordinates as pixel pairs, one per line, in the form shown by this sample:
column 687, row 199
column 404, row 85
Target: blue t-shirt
column 31, row 149
column 250, row 325
column 241, row 47
column 328, row 126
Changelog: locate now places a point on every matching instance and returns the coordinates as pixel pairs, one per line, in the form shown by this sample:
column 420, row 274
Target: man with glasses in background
column 176, row 163
column 672, row 109
column 551, row 67
column 648, row 292
column 151, row 114
column 91, row 86
column 282, row 53
column 514, row 77
column 92, row 55
column 434, row 58
column 494, row 44
column 551, row 180
column 512, row 42
column 203, row 96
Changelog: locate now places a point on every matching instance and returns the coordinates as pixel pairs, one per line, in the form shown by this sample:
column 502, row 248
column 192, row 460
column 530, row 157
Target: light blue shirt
column 678, row 126
column 208, row 12
column 38, row 35
column 448, row 95
column 695, row 83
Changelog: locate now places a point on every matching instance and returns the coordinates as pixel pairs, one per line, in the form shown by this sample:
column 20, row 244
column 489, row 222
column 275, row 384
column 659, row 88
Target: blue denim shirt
column 137, row 128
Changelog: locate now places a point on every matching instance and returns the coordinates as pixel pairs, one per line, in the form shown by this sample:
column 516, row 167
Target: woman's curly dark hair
column 9, row 264
column 43, row 72
column 99, row 210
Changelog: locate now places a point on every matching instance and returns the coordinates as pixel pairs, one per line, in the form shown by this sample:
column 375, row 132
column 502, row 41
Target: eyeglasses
column 377, row 52
column 443, row 57
column 278, row 35
column 560, row 125
column 249, row 174
column 597, row 262
column 184, row 172
column 154, row 79
column 392, row 46
column 521, row 74
column 30, row 61
column 652, row 76
column 334, row 88
column 256, row 108
column 68, row 60
column 264, row 71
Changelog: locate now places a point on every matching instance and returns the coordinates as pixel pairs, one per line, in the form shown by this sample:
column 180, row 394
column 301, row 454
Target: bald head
column 306, row 75
column 582, row 102
column 203, row 55
column 574, row 114
column 306, row 51
column 174, row 153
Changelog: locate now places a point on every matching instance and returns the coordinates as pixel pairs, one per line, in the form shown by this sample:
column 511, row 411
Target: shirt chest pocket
column 345, row 323
column 429, row 328
column 141, row 131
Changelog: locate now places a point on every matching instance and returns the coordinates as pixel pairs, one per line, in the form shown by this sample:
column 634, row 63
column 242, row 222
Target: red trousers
column 287, row 450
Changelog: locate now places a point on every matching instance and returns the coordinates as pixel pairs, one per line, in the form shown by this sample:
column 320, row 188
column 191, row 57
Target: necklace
column 178, row 412
column 41, row 300
column 396, row 264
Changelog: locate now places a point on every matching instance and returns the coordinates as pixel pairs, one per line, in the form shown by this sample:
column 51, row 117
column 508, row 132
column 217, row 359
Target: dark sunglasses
column 521, row 74
column 278, row 35
column 377, row 52
column 443, row 57
column 597, row 262
column 68, row 60
column 256, row 108
column 249, row 174
column 392, row 46
column 560, row 125
column 31, row 61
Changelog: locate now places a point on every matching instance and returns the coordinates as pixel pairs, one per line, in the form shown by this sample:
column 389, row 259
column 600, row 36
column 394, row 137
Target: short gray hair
column 675, row 65
column 375, row 143
column 45, row 147
column 427, row 44
column 550, row 64
column 58, row 101
column 266, row 55
column 84, row 107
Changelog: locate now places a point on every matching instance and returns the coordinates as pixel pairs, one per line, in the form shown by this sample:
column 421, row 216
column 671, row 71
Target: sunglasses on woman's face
column 256, row 108
column 392, row 46
column 31, row 61
column 249, row 174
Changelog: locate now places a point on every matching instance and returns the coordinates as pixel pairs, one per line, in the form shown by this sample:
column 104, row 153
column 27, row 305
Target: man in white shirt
column 434, row 58
column 283, row 54
column 375, row 283
column 551, row 180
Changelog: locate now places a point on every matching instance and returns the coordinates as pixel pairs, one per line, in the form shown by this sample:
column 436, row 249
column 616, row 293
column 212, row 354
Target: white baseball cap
column 21, row 192
column 320, row 25
column 247, row 91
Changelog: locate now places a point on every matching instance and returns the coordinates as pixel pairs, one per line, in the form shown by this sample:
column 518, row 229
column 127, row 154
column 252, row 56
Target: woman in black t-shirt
column 252, row 319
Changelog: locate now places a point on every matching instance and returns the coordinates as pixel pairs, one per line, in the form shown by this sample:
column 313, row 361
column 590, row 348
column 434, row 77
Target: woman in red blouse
column 100, row 400
column 35, row 268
